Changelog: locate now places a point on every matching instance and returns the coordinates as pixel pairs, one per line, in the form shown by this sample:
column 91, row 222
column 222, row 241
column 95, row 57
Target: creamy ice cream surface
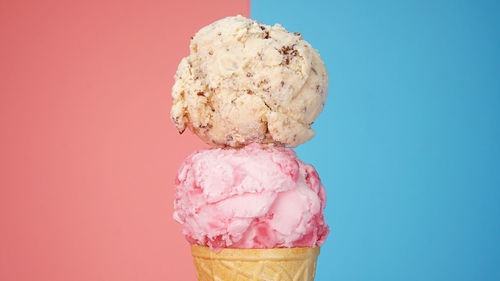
column 254, row 197
column 247, row 82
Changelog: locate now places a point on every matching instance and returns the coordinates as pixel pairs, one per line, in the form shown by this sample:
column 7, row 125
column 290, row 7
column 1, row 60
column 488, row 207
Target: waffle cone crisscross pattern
column 278, row 264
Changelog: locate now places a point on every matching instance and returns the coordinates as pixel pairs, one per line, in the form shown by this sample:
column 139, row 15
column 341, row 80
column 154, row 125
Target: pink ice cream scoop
column 254, row 197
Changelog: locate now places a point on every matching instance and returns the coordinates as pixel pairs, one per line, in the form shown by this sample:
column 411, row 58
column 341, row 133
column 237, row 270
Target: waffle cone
column 278, row 264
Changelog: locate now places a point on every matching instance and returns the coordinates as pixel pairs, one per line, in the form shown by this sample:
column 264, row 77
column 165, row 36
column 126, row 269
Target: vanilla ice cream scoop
column 247, row 82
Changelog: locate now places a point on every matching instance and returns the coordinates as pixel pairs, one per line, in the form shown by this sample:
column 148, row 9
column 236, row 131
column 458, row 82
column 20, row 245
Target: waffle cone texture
column 277, row 264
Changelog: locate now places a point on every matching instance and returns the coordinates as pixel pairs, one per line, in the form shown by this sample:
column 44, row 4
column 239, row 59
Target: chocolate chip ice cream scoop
column 247, row 82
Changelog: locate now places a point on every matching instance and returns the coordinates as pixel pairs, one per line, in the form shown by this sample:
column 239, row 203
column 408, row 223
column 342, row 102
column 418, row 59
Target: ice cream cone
column 277, row 264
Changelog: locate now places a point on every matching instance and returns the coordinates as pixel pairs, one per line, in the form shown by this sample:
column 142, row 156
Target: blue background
column 408, row 143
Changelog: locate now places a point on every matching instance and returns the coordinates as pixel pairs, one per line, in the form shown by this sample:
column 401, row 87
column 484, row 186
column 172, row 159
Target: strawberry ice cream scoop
column 254, row 197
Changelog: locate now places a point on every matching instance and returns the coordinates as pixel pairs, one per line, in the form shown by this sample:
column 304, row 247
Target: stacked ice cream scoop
column 249, row 207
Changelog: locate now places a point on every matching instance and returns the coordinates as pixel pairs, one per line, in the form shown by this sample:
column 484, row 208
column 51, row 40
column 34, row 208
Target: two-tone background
column 408, row 146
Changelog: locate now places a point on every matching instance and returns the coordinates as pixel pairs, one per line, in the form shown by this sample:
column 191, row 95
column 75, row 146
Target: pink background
column 88, row 153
